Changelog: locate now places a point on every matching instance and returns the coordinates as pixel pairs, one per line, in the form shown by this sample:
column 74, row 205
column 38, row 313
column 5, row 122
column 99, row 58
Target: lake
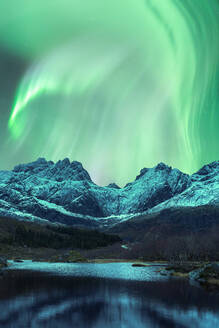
column 111, row 295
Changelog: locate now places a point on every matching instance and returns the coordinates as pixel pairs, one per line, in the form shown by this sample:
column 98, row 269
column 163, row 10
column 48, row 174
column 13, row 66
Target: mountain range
column 63, row 192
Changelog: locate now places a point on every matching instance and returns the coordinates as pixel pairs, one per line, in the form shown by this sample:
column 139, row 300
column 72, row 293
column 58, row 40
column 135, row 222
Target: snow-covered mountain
column 203, row 190
column 64, row 192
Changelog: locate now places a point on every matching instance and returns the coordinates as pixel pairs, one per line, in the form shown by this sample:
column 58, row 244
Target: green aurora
column 117, row 85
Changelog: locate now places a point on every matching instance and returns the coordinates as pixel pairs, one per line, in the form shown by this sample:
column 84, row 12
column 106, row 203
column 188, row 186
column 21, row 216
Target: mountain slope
column 28, row 234
column 186, row 233
column 64, row 192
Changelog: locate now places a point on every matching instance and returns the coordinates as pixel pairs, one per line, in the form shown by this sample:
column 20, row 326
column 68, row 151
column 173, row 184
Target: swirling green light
column 137, row 82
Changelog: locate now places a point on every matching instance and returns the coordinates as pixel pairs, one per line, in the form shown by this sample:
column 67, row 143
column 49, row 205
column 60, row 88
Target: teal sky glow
column 117, row 85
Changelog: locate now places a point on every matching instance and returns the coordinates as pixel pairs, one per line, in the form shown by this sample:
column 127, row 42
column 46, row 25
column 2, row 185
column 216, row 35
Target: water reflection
column 97, row 270
column 36, row 300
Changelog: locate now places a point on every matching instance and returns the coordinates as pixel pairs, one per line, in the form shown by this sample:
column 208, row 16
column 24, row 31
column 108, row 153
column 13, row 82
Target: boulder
column 138, row 265
column 205, row 273
column 3, row 262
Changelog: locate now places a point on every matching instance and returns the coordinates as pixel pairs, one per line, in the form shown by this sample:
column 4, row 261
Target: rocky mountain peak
column 159, row 167
column 209, row 168
column 207, row 172
column 63, row 190
column 33, row 167
column 59, row 171
column 162, row 166
column 113, row 185
column 142, row 172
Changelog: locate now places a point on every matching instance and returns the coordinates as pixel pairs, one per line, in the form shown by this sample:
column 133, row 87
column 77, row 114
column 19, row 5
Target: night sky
column 117, row 85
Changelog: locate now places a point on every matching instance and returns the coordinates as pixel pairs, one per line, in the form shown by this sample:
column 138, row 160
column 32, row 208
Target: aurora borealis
column 116, row 85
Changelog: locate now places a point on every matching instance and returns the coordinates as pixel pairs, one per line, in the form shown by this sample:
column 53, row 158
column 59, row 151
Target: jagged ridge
column 64, row 192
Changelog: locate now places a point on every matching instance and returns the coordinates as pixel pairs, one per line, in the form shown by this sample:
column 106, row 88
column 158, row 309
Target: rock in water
column 3, row 262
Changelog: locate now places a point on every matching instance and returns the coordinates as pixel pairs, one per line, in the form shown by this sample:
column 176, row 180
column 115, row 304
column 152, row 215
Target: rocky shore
column 206, row 274
column 3, row 264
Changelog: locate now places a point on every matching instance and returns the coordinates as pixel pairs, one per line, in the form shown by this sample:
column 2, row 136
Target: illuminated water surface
column 102, row 295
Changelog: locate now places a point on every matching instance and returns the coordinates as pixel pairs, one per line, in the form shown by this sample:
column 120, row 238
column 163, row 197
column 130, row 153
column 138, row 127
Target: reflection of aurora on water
column 118, row 86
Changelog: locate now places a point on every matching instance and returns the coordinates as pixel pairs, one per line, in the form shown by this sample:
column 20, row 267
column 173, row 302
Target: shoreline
column 95, row 261
column 23, row 268
column 205, row 274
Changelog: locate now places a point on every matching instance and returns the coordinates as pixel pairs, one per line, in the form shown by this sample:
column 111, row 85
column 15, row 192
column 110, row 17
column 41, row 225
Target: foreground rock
column 183, row 267
column 3, row 262
column 207, row 274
